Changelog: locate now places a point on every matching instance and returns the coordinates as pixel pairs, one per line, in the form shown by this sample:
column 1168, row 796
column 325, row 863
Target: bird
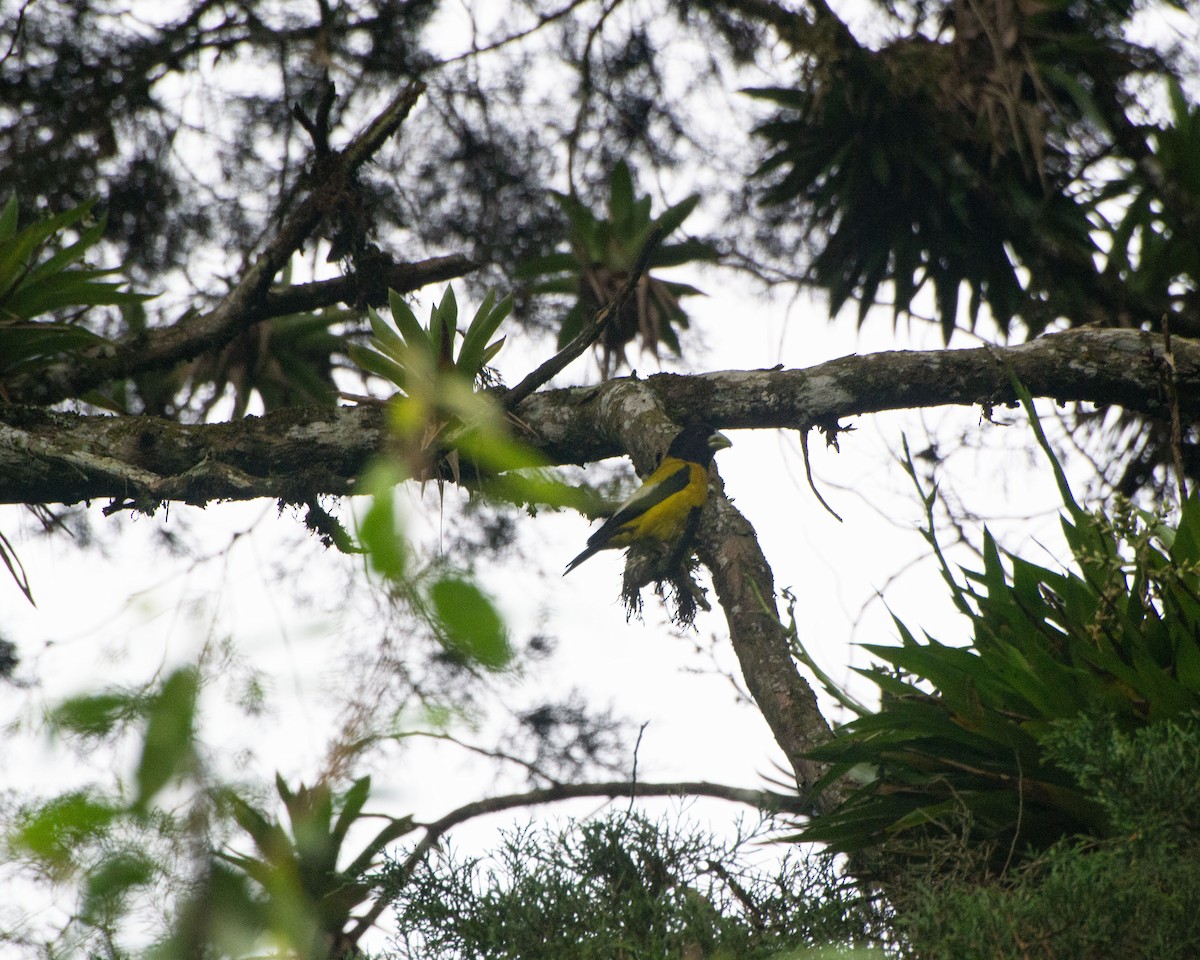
column 661, row 508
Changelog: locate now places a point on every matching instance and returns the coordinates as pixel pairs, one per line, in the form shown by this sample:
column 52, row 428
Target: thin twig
column 18, row 30
column 633, row 775
column 759, row 799
column 531, row 767
column 808, row 473
column 590, row 334
column 542, row 21
column 584, row 94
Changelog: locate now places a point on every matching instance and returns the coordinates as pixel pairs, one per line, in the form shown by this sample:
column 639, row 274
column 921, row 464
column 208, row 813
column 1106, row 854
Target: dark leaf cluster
column 973, row 162
column 1134, row 894
column 625, row 886
column 959, row 747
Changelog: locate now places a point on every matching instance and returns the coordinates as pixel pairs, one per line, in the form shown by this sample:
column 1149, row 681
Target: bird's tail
column 591, row 549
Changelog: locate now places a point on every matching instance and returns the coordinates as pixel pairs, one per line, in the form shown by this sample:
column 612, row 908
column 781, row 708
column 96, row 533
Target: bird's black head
column 697, row 442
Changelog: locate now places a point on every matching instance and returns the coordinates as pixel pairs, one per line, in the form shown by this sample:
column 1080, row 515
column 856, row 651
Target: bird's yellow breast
column 665, row 521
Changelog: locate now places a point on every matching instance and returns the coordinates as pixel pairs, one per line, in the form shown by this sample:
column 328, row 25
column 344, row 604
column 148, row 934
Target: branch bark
column 52, row 457
column 295, row 455
column 358, row 290
column 745, row 586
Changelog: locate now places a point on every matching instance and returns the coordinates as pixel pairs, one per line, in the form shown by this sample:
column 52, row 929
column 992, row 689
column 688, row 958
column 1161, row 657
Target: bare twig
column 18, row 30
column 318, row 130
column 542, row 21
column 633, row 776
column 589, row 334
column 238, row 309
column 759, row 799
column 584, row 95
column 491, row 754
column 808, row 473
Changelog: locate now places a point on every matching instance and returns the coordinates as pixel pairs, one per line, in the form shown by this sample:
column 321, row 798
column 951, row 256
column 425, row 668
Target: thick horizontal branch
column 293, row 455
column 1122, row 368
column 50, row 457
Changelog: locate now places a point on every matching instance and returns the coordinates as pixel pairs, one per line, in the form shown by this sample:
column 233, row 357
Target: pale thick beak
column 718, row 441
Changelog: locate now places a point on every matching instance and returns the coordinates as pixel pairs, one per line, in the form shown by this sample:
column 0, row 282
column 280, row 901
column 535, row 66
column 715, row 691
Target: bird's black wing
column 643, row 499
column 651, row 493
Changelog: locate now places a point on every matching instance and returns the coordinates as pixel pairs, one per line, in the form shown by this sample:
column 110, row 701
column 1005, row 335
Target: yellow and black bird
column 660, row 509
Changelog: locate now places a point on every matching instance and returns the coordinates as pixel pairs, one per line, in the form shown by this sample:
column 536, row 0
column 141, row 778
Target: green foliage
column 959, row 745
column 54, row 832
column 301, row 890
column 442, row 428
column 437, row 415
column 409, row 351
column 287, row 361
column 303, row 901
column 112, row 847
column 623, row 886
column 1135, row 894
column 459, row 613
column 168, row 744
column 379, row 530
column 1154, row 246
column 41, row 272
column 473, row 627
column 972, row 163
column 97, row 714
column 1144, row 779
column 603, row 251
column 107, row 889
column 893, row 202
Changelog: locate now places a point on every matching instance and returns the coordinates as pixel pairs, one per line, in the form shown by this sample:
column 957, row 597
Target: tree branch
column 360, row 290
column 823, row 33
column 759, row 799
column 242, row 306
column 589, row 334
column 51, row 457
column 745, row 585
column 728, row 547
column 140, row 462
column 1106, row 367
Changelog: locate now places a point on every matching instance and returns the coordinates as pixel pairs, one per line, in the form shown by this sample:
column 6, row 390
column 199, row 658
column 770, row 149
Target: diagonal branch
column 823, row 33
column 745, row 586
column 238, row 309
column 589, row 334
column 728, row 547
